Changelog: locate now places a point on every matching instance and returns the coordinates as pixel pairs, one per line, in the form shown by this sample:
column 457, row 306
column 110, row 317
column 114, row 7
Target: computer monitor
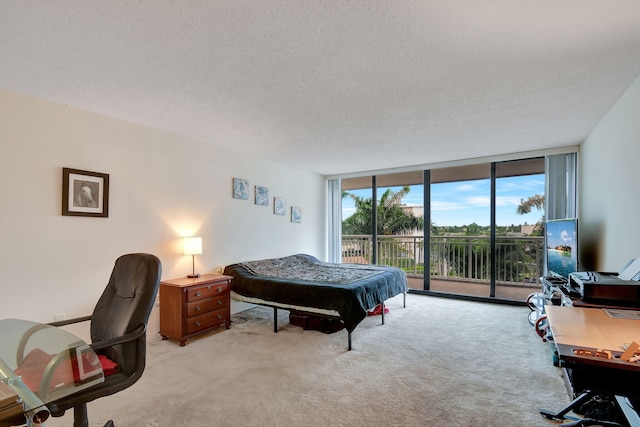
column 561, row 247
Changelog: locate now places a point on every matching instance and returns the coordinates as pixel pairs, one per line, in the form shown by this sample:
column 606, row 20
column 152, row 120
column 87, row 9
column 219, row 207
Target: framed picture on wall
column 279, row 204
column 262, row 195
column 85, row 193
column 240, row 189
column 296, row 214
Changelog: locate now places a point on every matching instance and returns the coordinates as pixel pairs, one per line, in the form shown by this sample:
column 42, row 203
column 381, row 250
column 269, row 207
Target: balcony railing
column 462, row 258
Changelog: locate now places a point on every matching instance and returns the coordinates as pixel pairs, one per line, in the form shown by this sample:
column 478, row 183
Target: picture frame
column 85, row 363
column 279, row 206
column 296, row 214
column 85, row 193
column 262, row 196
column 240, row 189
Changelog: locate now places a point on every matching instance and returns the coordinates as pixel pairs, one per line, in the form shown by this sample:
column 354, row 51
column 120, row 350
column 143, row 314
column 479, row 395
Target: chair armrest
column 27, row 335
column 131, row 336
column 70, row 321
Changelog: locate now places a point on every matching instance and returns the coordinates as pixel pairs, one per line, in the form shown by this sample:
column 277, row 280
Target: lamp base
column 193, row 276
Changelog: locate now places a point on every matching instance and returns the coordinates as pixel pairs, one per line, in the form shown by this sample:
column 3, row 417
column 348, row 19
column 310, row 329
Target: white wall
column 609, row 185
column 162, row 187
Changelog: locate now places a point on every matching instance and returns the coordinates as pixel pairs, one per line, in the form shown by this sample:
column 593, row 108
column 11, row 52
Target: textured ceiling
column 333, row 86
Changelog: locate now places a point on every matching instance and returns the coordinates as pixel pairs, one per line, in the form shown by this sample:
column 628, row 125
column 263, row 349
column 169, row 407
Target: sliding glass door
column 383, row 222
column 519, row 227
column 460, row 237
column 473, row 231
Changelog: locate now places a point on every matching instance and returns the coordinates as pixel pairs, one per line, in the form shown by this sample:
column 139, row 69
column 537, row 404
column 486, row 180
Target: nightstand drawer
column 206, row 320
column 192, row 306
column 208, row 291
column 206, row 305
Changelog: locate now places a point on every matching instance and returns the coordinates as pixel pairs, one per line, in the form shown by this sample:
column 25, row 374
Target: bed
column 303, row 283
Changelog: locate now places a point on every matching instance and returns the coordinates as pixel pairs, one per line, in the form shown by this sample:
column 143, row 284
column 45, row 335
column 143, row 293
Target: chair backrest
column 126, row 304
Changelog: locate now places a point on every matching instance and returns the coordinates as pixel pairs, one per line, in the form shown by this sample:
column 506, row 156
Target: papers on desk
column 617, row 313
column 631, row 271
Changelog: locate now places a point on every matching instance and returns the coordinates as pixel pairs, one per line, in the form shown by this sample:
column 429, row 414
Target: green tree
column 525, row 206
column 473, row 229
column 390, row 217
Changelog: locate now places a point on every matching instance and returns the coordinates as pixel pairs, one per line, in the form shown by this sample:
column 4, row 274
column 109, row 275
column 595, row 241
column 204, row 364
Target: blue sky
column 466, row 202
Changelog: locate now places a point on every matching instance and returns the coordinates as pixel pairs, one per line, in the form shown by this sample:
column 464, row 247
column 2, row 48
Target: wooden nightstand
column 189, row 307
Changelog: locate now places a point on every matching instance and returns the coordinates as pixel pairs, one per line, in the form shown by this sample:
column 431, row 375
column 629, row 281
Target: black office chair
column 118, row 331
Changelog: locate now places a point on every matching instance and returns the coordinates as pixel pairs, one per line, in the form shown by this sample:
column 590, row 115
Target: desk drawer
column 206, row 305
column 206, row 291
column 206, row 320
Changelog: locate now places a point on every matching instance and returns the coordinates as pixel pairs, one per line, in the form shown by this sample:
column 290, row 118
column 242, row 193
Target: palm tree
column 535, row 201
column 390, row 217
column 525, row 206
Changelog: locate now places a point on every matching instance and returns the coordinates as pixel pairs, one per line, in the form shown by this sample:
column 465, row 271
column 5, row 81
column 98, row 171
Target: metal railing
column 462, row 258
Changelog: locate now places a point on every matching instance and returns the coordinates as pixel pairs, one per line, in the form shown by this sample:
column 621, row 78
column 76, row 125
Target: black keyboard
column 570, row 291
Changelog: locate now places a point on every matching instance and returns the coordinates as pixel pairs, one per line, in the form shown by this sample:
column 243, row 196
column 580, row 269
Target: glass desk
column 42, row 363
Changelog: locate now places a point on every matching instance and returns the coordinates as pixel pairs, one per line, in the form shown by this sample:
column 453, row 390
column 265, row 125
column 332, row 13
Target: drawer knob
column 219, row 289
column 197, row 308
column 219, row 302
column 197, row 323
column 198, row 294
column 219, row 317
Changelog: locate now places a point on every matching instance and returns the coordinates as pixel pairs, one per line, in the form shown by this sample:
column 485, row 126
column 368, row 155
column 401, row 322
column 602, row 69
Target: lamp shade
column 193, row 245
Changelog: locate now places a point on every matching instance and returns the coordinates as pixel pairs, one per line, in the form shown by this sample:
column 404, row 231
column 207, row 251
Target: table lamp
column 193, row 247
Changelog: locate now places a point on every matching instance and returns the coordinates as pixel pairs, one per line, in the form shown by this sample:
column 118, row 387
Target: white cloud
column 507, row 201
column 565, row 236
column 520, row 184
column 466, row 187
column 485, row 201
column 481, row 201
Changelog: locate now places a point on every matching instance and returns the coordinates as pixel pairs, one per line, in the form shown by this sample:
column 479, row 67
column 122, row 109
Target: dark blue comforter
column 303, row 280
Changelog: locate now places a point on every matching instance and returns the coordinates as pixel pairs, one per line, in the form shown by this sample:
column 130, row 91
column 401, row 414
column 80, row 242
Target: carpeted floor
column 437, row 362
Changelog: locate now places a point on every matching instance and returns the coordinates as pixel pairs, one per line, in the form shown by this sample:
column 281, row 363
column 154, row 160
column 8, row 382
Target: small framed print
column 85, row 193
column 296, row 214
column 240, row 189
column 85, row 364
column 262, row 196
column 279, row 204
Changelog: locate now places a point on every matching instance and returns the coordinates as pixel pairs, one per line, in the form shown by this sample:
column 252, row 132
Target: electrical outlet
column 58, row 317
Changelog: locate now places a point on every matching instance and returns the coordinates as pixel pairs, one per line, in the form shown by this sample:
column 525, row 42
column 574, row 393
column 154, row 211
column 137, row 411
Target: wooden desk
column 593, row 329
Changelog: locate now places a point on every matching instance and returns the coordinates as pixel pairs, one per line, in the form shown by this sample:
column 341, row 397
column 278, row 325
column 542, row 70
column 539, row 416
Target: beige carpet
column 437, row 362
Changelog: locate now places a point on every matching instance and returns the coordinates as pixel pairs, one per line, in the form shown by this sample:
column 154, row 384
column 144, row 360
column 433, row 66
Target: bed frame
column 303, row 283
column 329, row 314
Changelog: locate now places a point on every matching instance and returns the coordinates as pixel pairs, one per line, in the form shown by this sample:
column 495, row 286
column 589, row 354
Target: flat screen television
column 561, row 247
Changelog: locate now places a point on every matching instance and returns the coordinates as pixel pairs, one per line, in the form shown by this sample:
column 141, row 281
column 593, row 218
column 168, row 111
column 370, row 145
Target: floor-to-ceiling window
column 461, row 225
column 519, row 227
column 478, row 226
column 383, row 221
column 400, row 222
column 357, row 221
